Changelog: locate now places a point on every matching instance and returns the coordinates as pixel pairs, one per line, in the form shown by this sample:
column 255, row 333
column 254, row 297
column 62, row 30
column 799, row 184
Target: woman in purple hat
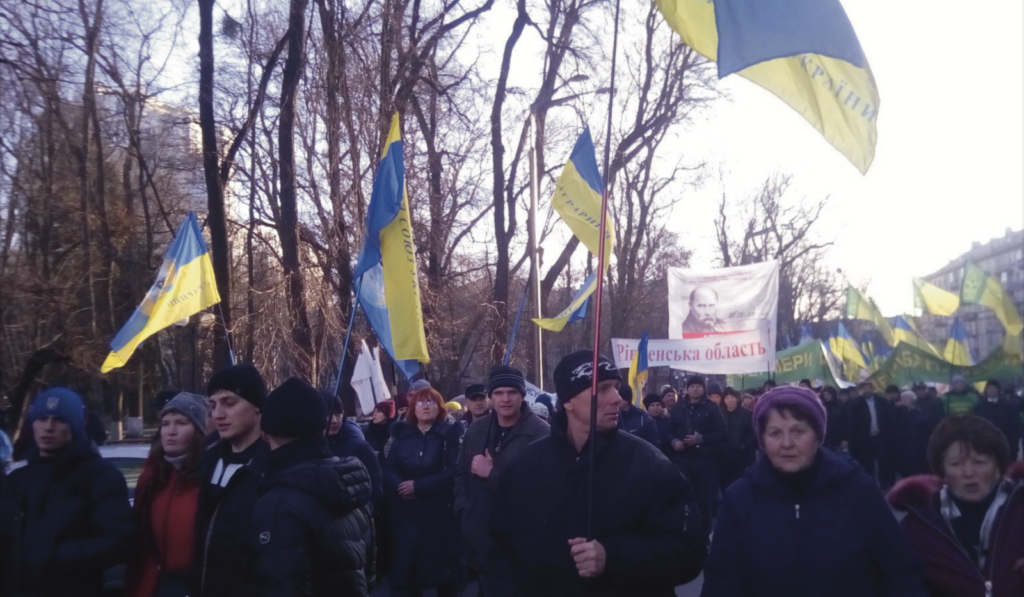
column 803, row 522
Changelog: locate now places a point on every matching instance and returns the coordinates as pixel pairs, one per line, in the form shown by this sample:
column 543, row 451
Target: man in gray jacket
column 490, row 444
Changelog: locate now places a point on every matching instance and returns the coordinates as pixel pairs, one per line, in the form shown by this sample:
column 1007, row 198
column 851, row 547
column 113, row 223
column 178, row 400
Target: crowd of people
column 787, row 491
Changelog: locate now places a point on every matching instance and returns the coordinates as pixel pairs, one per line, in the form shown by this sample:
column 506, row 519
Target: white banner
column 724, row 320
column 726, row 353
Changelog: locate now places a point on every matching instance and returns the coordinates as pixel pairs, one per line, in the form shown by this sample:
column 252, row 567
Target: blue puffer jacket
column 831, row 534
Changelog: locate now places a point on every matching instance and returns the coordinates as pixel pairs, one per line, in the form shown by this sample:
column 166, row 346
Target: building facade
column 1002, row 257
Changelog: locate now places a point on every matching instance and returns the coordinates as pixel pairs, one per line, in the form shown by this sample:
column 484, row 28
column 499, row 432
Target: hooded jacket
column 830, row 535
column 949, row 572
column 349, row 442
column 64, row 519
column 645, row 516
column 311, row 527
column 474, row 497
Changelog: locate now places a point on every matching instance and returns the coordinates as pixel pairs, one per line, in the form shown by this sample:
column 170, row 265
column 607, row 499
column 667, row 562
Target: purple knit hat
column 801, row 399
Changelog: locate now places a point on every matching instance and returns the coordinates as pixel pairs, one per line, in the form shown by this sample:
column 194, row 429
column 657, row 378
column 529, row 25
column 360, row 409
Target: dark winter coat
column 64, row 519
column 741, row 441
column 426, row 542
column 911, row 441
column 1005, row 415
column 637, row 422
column 949, row 572
column 348, row 442
column 837, row 430
column 311, row 527
column 474, row 497
column 858, row 431
column 664, row 425
column 645, row 516
column 224, row 555
column 377, row 435
column 703, row 417
column 833, row 536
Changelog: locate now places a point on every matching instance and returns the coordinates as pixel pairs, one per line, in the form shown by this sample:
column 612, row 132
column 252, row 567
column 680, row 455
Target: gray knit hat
column 193, row 406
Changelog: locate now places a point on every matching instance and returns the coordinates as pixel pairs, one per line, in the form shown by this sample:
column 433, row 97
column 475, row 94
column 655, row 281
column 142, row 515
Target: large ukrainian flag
column 389, row 289
column 859, row 306
column 184, row 286
column 803, row 51
column 957, row 350
column 577, row 200
column 933, row 299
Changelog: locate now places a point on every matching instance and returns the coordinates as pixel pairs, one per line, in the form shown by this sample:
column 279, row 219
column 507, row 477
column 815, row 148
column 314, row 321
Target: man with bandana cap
column 65, row 515
column 644, row 513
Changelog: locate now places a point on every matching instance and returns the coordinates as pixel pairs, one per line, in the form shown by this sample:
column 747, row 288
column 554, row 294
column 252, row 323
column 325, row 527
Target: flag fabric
column 860, row 307
column 577, row 200
column 846, row 349
column 571, row 313
column 957, row 350
column 803, row 51
column 388, row 247
column 933, row 299
column 904, row 330
column 371, row 299
column 184, row 286
column 806, row 335
column 979, row 288
column 368, row 379
column 638, row 371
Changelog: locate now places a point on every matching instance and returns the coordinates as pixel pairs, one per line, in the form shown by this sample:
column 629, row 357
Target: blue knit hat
column 62, row 404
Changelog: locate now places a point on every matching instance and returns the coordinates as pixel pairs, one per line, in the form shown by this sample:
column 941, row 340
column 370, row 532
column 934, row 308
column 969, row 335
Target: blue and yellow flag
column 389, row 289
column 860, row 307
column 577, row 200
column 571, row 313
column 957, row 350
column 905, row 331
column 638, row 371
column 803, row 51
column 846, row 349
column 980, row 288
column 184, row 286
column 933, row 299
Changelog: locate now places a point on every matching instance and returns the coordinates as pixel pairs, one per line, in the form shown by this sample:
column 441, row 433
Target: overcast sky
column 948, row 166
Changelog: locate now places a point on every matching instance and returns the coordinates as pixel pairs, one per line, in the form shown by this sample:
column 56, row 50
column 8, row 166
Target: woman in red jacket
column 166, row 499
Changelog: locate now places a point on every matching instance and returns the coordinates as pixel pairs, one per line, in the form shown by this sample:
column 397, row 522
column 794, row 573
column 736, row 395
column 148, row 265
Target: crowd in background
column 789, row 490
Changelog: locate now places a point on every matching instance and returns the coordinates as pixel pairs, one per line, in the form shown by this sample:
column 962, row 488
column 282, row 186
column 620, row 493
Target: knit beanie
column 243, row 380
column 666, row 390
column 651, row 399
column 715, row 389
column 504, row 376
column 695, row 380
column 294, row 409
column 801, row 399
column 419, row 385
column 626, row 392
column 575, row 373
column 62, row 404
column 387, row 407
column 194, row 407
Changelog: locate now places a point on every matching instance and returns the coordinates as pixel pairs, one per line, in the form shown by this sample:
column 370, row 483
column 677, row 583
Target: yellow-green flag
column 860, row 307
column 979, row 288
column 933, row 299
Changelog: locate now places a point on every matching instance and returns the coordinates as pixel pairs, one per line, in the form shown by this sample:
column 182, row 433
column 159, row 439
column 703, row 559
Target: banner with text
column 725, row 318
column 733, row 352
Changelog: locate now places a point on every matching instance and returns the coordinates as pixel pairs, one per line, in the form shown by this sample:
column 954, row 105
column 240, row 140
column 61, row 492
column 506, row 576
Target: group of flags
column 811, row 59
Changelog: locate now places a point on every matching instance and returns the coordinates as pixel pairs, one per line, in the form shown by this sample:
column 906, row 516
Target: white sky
column 948, row 166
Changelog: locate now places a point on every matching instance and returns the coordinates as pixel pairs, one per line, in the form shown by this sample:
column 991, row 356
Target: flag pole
column 600, row 284
column 348, row 335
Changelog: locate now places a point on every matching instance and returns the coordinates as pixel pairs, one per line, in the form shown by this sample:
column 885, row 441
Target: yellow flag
column 933, row 299
column 980, row 288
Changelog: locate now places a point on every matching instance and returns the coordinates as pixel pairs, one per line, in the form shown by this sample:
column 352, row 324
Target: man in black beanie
column 697, row 427
column 229, row 473
column 311, row 527
column 643, row 515
column 491, row 442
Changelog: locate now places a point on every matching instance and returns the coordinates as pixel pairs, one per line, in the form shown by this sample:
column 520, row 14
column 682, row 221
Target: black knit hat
column 715, row 389
column 695, row 379
column 626, row 392
column 504, row 376
column 477, row 389
column 294, row 409
column 574, row 373
column 651, row 399
column 243, row 380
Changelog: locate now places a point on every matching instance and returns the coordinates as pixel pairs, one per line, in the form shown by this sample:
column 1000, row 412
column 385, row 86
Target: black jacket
column 858, row 431
column 63, row 520
column 645, row 516
column 829, row 534
column 741, row 442
column 703, row 417
column 349, row 443
column 224, row 555
column 474, row 497
column 311, row 527
column 911, row 440
column 425, row 535
column 664, row 425
column 637, row 422
column 377, row 434
column 837, row 428
column 1005, row 416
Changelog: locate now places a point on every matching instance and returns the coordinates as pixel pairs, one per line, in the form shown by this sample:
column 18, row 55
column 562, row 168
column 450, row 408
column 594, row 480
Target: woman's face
column 379, row 417
column 731, row 402
column 176, row 433
column 969, row 475
column 790, row 444
column 426, row 410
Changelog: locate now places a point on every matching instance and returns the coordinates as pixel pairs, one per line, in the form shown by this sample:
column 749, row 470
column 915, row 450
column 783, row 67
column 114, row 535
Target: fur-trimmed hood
column 919, row 490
